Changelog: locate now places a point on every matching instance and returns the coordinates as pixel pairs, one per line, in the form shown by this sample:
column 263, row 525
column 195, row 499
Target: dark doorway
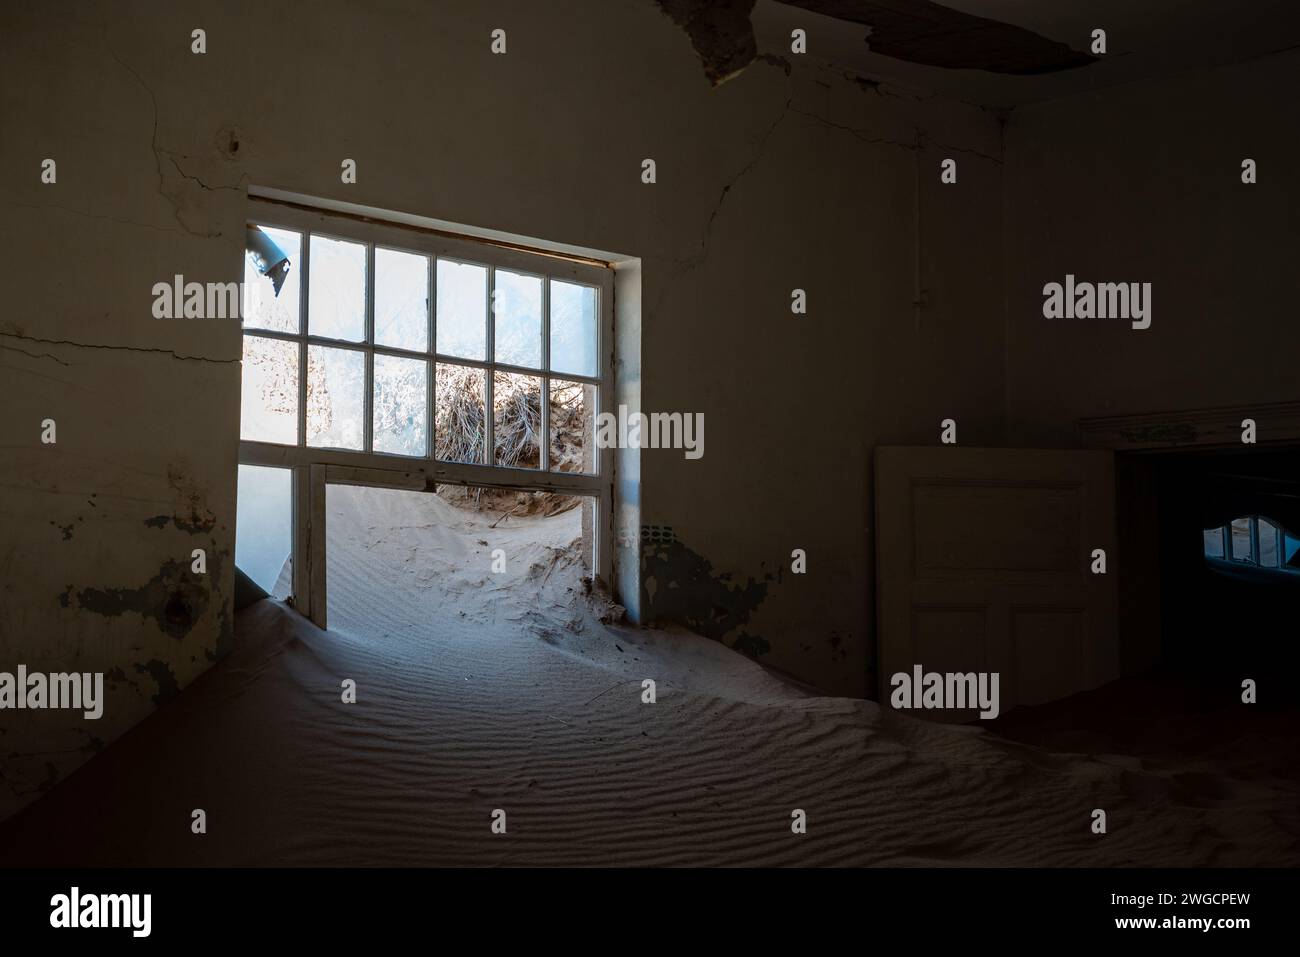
column 1210, row 565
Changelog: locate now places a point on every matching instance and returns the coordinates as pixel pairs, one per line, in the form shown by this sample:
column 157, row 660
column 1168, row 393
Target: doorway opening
column 1228, row 539
column 1196, row 626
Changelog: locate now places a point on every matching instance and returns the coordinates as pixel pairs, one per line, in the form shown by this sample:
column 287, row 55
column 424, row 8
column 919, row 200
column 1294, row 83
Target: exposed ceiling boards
column 720, row 32
column 934, row 34
column 1147, row 38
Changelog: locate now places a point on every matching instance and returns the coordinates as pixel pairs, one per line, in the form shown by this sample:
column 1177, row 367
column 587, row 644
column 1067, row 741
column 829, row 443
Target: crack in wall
column 159, row 152
column 89, row 345
column 912, row 147
column 688, row 265
column 212, row 189
column 37, row 355
column 42, row 207
column 722, row 196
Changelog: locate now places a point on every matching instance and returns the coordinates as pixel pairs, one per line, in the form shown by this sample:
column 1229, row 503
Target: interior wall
column 1142, row 183
column 791, row 175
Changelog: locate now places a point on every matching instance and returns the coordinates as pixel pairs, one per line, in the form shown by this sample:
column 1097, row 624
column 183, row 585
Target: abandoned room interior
column 358, row 506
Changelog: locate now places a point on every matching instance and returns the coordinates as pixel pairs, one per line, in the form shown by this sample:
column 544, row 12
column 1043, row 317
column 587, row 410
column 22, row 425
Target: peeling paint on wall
column 172, row 598
column 162, row 673
column 681, row 585
column 194, row 523
column 116, row 676
column 192, row 516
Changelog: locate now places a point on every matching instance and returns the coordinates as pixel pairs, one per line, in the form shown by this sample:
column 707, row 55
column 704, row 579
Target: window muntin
column 383, row 371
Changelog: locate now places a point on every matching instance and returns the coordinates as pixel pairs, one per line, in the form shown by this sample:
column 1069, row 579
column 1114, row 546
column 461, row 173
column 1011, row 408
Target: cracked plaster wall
column 785, row 176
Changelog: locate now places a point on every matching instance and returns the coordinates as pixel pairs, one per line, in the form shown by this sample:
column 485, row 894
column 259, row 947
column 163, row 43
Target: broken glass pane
column 262, row 308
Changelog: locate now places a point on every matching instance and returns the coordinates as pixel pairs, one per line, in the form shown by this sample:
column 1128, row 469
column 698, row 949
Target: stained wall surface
column 1142, row 183
column 790, row 175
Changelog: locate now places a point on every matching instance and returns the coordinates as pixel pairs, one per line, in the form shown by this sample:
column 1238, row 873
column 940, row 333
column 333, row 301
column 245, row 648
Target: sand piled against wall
column 478, row 691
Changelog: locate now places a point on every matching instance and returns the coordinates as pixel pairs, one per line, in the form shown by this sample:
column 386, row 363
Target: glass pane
column 1241, row 539
column 262, row 308
column 517, row 308
column 269, row 391
column 517, row 420
column 1213, row 542
column 401, row 300
column 336, row 394
column 264, row 527
column 336, row 304
column 462, row 309
column 1268, row 555
column 573, row 411
column 1292, row 545
column 460, row 424
column 573, row 328
column 401, row 389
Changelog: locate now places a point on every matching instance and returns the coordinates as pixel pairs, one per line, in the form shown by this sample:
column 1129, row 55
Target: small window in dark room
column 1252, row 540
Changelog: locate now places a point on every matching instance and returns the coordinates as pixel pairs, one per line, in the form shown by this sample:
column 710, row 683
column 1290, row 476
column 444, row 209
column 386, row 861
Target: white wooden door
column 984, row 563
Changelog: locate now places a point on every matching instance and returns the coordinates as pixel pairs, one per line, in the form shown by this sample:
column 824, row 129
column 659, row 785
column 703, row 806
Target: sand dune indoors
column 478, row 691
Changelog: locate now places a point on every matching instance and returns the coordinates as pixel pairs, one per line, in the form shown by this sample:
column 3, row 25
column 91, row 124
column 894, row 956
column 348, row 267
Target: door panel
column 983, row 563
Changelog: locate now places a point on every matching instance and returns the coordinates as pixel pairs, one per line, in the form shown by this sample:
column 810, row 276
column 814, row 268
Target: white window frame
column 314, row 468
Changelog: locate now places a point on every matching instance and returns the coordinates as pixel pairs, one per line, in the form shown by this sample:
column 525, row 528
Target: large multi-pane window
column 375, row 348
column 403, row 355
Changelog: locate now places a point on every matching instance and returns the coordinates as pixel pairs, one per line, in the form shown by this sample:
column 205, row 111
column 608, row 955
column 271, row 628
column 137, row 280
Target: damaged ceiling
column 998, row 53
column 720, row 32
column 917, row 31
